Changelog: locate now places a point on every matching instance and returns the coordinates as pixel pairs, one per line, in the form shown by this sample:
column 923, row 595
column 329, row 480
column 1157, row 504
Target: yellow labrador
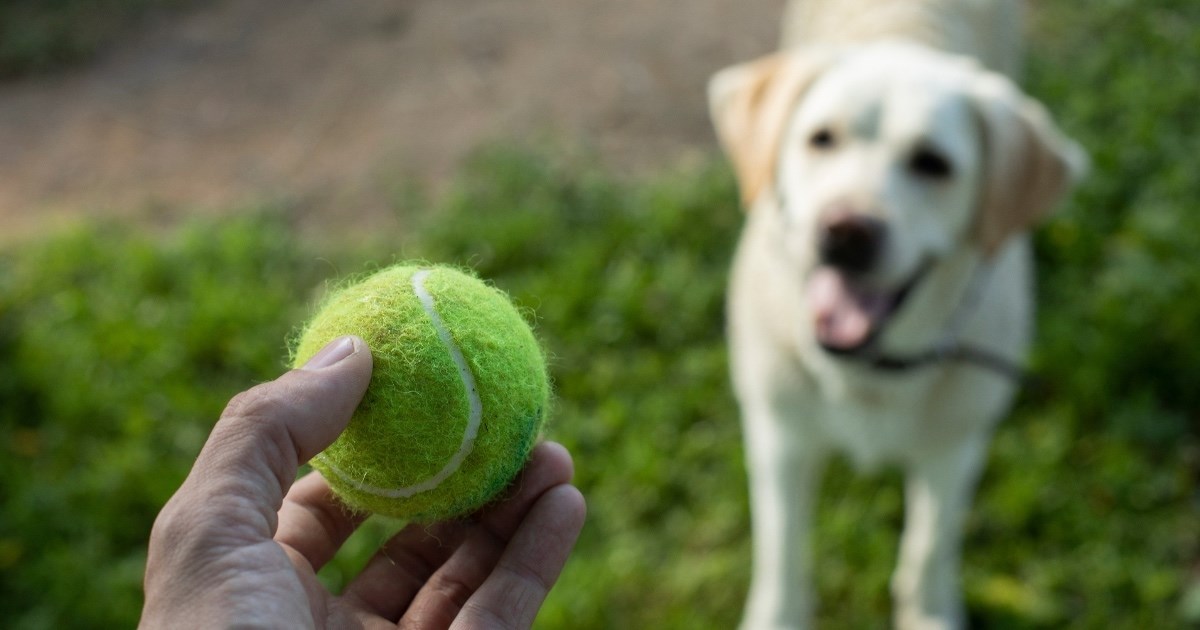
column 880, row 300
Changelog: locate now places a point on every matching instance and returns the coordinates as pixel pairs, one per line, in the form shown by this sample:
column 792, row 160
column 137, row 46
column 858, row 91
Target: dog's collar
column 957, row 351
column 949, row 347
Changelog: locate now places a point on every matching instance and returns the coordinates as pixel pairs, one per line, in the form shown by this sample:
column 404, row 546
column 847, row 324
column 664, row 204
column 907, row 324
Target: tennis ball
column 457, row 397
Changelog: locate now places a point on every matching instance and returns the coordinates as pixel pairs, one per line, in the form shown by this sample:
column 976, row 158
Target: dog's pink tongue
column 844, row 315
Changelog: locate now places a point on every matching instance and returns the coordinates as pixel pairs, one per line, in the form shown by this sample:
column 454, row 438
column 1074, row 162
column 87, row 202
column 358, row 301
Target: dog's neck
column 986, row 31
column 936, row 303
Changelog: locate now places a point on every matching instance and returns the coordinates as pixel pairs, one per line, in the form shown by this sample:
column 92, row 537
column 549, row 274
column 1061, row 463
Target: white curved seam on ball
column 474, row 418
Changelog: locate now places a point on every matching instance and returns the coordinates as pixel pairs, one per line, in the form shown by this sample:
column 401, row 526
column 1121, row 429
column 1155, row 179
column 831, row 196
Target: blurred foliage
column 118, row 349
column 1122, row 255
column 117, row 352
column 39, row 36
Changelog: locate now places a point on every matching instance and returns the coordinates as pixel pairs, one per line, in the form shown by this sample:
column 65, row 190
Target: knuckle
column 482, row 616
column 253, row 432
column 169, row 527
column 259, row 412
column 528, row 576
column 454, row 591
column 256, row 401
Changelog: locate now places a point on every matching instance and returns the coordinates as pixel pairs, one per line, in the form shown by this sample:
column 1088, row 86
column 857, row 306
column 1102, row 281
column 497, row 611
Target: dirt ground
column 327, row 104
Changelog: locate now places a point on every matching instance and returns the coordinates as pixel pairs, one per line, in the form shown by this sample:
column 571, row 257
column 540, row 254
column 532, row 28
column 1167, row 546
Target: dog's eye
column 931, row 164
column 822, row 139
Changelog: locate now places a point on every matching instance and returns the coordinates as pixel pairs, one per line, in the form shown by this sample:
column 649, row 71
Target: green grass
column 119, row 347
column 117, row 351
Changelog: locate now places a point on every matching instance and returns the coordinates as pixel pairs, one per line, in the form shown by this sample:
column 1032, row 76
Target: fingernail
column 335, row 351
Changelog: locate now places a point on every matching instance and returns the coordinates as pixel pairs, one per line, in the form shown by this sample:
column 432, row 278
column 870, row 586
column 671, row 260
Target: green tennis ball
column 457, row 397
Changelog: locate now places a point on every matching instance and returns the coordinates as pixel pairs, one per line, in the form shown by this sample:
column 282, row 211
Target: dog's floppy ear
column 751, row 104
column 1029, row 164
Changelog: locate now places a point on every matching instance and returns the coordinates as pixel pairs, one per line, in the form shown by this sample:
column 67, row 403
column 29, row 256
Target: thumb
column 251, row 457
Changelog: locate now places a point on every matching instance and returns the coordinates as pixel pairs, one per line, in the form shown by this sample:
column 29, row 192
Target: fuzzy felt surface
column 414, row 417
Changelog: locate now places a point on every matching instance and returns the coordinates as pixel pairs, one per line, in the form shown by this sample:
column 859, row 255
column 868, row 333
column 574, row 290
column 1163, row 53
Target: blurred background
column 179, row 179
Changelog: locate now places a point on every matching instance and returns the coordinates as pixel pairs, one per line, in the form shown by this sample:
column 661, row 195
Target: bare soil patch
column 328, row 104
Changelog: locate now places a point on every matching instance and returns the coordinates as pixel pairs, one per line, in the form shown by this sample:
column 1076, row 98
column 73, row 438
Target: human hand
column 240, row 544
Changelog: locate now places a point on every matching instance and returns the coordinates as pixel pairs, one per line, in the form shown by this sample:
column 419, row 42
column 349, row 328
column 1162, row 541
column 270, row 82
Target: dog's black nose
column 851, row 242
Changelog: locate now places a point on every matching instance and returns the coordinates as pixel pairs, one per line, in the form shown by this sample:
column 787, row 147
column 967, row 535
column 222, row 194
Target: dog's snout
column 851, row 242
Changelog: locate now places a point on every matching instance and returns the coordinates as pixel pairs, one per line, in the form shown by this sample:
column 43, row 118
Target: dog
column 880, row 300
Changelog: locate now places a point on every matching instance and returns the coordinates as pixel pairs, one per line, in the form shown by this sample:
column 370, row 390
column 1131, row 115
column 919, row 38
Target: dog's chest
column 889, row 418
column 872, row 423
column 879, row 419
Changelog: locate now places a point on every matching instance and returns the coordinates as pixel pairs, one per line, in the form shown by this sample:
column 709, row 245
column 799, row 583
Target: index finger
column 513, row 593
column 314, row 522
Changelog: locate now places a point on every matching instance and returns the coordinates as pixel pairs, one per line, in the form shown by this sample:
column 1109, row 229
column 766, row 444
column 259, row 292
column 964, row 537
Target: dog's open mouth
column 848, row 314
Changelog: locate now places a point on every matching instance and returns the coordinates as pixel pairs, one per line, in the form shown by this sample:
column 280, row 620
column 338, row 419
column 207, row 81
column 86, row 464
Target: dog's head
column 883, row 159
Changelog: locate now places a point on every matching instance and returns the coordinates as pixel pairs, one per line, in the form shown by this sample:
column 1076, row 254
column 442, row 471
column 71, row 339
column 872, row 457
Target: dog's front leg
column 784, row 479
column 938, row 492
